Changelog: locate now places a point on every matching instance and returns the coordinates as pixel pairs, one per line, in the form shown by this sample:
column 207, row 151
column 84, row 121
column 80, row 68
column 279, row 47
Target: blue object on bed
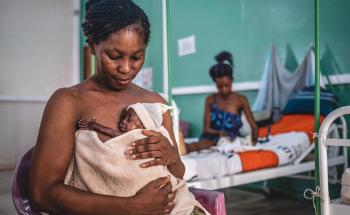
column 303, row 102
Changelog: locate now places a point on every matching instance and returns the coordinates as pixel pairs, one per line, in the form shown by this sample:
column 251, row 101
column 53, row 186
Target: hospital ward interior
column 247, row 101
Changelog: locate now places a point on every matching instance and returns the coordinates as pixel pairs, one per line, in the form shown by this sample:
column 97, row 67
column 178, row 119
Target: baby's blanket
column 106, row 168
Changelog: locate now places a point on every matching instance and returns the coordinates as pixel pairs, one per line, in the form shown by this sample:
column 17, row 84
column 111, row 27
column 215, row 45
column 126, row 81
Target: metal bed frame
column 329, row 207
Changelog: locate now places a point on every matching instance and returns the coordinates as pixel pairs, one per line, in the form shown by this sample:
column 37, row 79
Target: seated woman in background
column 222, row 116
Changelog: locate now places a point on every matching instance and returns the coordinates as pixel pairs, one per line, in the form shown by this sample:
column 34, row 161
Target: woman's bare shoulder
column 62, row 100
column 65, row 94
column 242, row 99
column 69, row 93
column 157, row 98
column 72, row 93
column 68, row 97
column 209, row 99
column 148, row 96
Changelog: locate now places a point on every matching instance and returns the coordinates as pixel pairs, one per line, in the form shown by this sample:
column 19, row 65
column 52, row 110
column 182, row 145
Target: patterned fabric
column 197, row 211
column 221, row 120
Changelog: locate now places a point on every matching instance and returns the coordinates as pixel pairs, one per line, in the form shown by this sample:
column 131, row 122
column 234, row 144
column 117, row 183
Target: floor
column 241, row 202
column 6, row 205
column 238, row 202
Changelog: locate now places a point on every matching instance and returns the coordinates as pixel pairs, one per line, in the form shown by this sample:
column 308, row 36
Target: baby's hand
column 86, row 124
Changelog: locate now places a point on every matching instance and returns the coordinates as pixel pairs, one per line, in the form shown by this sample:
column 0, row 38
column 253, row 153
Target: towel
column 106, row 168
column 97, row 162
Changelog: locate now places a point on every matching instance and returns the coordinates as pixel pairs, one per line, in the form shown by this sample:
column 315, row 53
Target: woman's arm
column 52, row 155
column 250, row 118
column 176, row 167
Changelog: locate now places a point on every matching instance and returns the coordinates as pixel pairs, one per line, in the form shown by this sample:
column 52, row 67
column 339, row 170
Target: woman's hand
column 156, row 146
column 156, row 197
column 223, row 134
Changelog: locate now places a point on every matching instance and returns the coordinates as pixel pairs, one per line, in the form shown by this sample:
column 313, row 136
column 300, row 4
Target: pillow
column 262, row 115
column 263, row 118
column 303, row 102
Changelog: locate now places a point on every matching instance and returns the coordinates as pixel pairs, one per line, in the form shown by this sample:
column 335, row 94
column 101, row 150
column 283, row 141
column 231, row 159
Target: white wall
column 38, row 55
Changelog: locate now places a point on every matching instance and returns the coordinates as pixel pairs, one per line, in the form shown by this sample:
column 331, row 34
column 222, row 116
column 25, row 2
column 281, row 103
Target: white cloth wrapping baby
column 105, row 168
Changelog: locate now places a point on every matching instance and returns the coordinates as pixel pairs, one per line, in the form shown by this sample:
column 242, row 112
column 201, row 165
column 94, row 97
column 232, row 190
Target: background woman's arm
column 249, row 115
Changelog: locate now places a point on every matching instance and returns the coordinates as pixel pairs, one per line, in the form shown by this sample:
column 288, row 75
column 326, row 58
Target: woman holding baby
column 117, row 32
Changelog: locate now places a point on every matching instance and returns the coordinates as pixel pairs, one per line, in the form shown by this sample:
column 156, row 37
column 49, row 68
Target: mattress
column 293, row 122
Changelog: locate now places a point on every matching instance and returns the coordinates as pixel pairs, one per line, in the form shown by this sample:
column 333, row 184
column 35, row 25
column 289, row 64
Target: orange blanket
column 293, row 122
column 252, row 160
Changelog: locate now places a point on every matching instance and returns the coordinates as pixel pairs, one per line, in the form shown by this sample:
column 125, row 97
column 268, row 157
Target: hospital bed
column 296, row 166
column 335, row 206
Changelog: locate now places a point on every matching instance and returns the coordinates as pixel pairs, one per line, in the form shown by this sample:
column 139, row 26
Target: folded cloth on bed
column 208, row 164
column 105, row 168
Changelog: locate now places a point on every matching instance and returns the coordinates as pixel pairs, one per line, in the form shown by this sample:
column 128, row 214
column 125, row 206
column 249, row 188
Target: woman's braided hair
column 223, row 67
column 104, row 17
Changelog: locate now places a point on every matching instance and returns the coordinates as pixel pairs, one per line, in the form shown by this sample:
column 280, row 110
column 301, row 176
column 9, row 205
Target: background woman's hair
column 104, row 17
column 223, row 67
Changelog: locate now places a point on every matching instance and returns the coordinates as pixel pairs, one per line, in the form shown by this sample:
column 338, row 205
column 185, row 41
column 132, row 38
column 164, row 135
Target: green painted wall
column 154, row 56
column 247, row 28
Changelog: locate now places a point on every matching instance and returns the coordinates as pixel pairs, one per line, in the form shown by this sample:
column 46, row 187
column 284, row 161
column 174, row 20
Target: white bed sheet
column 219, row 162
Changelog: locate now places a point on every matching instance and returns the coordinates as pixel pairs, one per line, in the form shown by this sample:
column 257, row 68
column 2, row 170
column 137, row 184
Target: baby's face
column 131, row 121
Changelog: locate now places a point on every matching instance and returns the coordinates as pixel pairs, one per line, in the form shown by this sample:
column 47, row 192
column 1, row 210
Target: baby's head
column 143, row 116
column 130, row 121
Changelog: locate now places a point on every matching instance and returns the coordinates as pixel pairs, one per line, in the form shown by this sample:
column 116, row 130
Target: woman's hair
column 104, row 17
column 223, row 67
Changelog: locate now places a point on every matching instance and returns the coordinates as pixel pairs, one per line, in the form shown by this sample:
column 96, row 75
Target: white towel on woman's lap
column 104, row 168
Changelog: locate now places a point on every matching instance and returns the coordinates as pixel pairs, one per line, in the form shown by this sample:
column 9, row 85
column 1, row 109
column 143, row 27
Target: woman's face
column 120, row 57
column 224, row 85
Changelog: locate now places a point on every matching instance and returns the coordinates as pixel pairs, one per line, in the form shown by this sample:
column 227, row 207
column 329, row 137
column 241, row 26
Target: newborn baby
column 129, row 121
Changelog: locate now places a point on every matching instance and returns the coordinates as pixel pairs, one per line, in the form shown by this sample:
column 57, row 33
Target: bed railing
column 324, row 141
